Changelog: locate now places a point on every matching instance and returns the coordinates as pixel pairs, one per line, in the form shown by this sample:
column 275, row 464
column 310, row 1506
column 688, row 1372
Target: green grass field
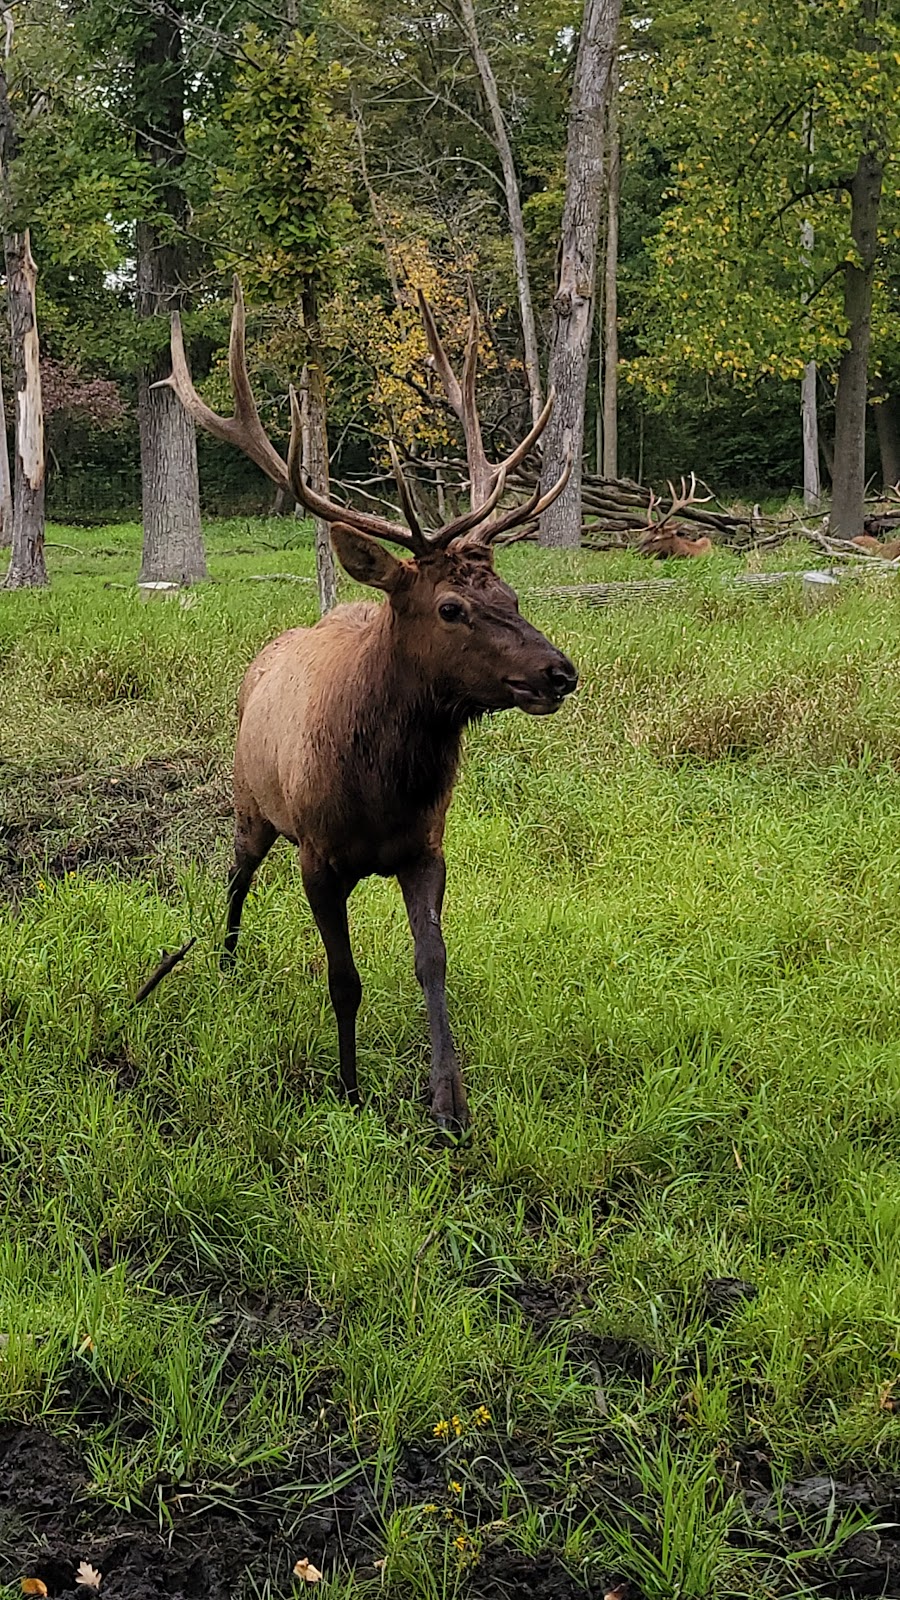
column 673, row 924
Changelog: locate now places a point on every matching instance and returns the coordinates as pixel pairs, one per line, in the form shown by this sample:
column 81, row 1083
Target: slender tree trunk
column 850, row 408
column 572, row 305
column 173, row 542
column 610, row 292
column 809, row 422
column 887, row 426
column 513, row 201
column 27, row 568
column 809, row 416
column 315, row 459
column 6, row 498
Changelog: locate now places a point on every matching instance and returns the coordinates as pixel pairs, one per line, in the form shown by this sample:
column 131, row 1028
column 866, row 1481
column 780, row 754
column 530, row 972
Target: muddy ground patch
column 225, row 1541
column 133, row 821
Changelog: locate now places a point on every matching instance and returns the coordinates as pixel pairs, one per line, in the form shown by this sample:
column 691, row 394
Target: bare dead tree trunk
column 610, row 293
column 173, row 542
column 503, row 148
column 887, row 426
column 6, row 498
column 27, row 567
column 849, row 476
column 809, row 422
column 315, row 459
column 573, row 302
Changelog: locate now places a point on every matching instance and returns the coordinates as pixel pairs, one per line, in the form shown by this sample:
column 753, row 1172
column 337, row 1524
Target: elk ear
column 365, row 559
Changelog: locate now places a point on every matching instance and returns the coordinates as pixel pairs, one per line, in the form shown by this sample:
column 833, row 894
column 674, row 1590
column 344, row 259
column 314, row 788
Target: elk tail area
column 165, row 967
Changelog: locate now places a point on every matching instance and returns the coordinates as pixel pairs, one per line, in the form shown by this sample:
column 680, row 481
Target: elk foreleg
column 327, row 895
column 423, row 892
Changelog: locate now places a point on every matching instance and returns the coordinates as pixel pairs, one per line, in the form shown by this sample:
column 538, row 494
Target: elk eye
column 452, row 611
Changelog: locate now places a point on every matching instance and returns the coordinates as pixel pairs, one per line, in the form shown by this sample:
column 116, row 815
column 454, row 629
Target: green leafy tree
column 735, row 291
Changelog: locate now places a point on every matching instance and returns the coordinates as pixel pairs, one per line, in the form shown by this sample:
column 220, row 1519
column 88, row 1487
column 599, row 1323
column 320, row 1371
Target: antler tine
column 480, row 469
column 462, row 398
column 331, row 510
column 439, row 356
column 420, row 543
column 523, row 449
column 517, row 515
column 471, row 519
column 244, row 429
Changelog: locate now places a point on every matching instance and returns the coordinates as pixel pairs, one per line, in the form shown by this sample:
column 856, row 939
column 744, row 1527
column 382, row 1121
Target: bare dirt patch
column 132, row 821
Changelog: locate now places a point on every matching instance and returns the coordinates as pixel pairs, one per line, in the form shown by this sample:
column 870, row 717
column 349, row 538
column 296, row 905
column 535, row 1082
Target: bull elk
column 349, row 732
column 659, row 540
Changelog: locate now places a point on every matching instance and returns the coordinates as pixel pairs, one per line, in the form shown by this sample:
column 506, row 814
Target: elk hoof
column 449, row 1110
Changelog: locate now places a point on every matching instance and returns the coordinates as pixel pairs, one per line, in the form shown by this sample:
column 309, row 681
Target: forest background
column 341, row 156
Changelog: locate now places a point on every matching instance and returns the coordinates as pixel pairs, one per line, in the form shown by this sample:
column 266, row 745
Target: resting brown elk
column 349, row 732
column 659, row 540
column 889, row 551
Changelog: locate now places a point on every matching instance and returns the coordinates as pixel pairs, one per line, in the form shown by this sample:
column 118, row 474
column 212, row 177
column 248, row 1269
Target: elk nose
column 563, row 677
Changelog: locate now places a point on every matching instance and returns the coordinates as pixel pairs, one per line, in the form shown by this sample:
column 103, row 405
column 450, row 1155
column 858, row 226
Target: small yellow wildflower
column 442, row 1429
column 461, row 1541
column 41, row 883
column 454, row 1486
column 456, row 1425
column 430, row 1506
column 482, row 1417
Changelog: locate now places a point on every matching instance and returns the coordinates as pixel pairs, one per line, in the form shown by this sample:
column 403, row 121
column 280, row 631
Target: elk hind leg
column 253, row 839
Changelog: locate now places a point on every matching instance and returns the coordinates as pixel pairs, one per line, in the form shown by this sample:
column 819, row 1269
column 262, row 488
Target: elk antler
column 485, row 479
column 245, row 431
column 679, row 502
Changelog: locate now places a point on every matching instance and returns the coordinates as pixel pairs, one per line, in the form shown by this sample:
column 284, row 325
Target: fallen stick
column 165, row 966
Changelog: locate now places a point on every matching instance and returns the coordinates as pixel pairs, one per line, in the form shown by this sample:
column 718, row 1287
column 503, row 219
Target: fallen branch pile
column 618, row 514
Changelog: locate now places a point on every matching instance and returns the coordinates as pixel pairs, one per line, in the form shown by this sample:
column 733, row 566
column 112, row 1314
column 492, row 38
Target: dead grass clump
column 795, row 716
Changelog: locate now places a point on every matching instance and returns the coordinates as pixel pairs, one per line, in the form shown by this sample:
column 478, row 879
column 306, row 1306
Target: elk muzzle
column 544, row 692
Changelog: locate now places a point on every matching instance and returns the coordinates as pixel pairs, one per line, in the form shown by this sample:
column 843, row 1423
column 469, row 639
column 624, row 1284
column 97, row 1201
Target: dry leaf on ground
column 304, row 1569
column 88, row 1576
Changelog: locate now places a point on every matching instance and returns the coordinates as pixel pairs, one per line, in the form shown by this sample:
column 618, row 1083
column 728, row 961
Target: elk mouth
column 535, row 702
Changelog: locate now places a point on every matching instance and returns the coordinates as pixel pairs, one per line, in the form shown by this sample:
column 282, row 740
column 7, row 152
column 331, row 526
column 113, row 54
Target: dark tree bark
column 173, row 541
column 887, row 426
column 849, row 476
column 610, row 291
column 573, row 302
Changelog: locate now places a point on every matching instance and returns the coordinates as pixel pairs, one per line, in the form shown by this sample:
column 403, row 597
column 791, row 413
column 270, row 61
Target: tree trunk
column 809, row 421
column 610, row 295
column 572, row 305
column 809, row 416
column 173, row 542
column 6, row 499
column 27, row 568
column 887, row 425
column 513, row 202
column 850, row 406
column 315, row 459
